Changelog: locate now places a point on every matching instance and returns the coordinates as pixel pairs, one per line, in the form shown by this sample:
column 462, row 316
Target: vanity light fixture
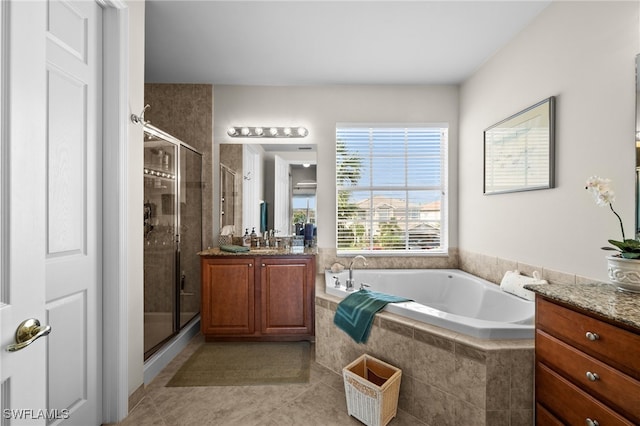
column 272, row 132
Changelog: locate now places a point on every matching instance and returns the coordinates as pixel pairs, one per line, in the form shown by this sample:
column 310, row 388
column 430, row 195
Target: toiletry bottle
column 254, row 238
column 246, row 239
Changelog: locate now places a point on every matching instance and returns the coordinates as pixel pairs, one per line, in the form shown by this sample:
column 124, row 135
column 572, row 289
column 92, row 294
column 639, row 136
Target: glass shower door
column 160, row 246
column 190, row 234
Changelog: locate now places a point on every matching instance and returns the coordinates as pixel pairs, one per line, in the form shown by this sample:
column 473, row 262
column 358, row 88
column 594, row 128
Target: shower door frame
column 176, row 312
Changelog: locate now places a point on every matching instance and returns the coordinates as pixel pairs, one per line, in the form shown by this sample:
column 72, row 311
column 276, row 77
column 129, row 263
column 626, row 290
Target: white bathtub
column 447, row 298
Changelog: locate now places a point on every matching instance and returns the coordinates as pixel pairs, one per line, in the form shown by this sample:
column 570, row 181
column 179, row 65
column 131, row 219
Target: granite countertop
column 291, row 251
column 598, row 298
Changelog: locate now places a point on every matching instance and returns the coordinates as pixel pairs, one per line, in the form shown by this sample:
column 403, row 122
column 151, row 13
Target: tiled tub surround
column 447, row 378
column 490, row 268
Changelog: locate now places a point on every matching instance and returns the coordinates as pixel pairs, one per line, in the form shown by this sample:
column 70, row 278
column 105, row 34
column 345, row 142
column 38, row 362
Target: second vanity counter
column 600, row 299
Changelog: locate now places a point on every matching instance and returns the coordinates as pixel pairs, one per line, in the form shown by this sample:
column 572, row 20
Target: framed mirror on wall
column 519, row 151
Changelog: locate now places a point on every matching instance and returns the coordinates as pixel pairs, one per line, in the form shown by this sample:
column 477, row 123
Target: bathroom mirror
column 275, row 185
column 519, row 151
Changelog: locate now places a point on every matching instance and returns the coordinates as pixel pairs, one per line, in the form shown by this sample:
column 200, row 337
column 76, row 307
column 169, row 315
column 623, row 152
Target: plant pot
column 624, row 273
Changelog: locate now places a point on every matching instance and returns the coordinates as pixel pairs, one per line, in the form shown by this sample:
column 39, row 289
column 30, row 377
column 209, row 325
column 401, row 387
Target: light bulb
column 231, row 131
column 258, row 131
column 302, row 131
column 273, row 131
column 244, row 131
column 287, row 131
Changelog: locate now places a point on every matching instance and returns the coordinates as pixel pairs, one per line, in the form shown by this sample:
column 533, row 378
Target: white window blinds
column 391, row 186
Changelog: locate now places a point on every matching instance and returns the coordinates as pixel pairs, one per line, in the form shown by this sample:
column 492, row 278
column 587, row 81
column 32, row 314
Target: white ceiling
column 327, row 42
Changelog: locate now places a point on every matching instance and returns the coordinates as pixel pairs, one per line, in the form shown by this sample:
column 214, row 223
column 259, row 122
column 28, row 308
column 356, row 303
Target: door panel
column 50, row 192
column 73, row 260
column 66, row 203
column 68, row 354
column 22, row 177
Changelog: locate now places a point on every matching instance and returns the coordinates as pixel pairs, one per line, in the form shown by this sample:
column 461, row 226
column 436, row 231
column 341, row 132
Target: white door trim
column 115, row 371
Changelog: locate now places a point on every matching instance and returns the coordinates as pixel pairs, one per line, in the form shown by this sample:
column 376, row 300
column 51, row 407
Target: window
column 392, row 190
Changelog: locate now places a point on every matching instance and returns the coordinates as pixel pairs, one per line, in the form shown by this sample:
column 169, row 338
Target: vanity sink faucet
column 349, row 283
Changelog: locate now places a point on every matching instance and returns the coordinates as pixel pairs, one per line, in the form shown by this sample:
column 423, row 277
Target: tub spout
column 349, row 284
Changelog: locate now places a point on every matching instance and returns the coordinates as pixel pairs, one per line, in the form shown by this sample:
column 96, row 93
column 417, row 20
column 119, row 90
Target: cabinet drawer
column 606, row 383
column 570, row 404
column 545, row 418
column 594, row 337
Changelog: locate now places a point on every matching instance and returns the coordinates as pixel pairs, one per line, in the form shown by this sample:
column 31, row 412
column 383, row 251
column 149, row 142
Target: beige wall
column 135, row 195
column 319, row 108
column 584, row 54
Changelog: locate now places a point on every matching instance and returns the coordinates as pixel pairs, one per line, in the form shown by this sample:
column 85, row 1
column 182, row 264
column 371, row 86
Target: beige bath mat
column 245, row 364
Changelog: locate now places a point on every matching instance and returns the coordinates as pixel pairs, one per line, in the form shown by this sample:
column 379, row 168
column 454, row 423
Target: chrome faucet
column 349, row 283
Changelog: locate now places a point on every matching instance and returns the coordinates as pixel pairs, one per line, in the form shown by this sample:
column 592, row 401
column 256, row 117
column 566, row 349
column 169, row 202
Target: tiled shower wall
column 185, row 111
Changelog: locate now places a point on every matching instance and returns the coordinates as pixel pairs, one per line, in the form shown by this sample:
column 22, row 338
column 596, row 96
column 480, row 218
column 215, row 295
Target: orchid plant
column 604, row 196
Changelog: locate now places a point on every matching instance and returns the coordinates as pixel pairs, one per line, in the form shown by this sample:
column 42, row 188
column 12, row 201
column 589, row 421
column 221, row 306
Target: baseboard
column 160, row 359
column 136, row 397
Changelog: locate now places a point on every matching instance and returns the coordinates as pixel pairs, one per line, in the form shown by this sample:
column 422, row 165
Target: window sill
column 394, row 253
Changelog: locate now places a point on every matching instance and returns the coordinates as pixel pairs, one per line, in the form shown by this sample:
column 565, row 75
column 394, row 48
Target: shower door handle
column 28, row 332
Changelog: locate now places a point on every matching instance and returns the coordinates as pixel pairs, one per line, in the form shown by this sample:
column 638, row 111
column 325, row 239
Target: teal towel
column 356, row 311
column 234, row 249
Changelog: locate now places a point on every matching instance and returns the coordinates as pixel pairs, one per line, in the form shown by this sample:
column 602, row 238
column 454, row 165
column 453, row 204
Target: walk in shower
column 172, row 236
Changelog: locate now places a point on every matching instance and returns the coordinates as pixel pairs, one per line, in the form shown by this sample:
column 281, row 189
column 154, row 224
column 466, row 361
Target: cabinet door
column 287, row 291
column 228, row 299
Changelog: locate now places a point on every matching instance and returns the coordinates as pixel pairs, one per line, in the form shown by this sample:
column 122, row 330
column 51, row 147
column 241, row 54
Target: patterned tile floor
column 320, row 402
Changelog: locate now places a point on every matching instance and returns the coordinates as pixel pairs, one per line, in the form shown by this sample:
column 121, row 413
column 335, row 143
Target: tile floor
column 320, row 402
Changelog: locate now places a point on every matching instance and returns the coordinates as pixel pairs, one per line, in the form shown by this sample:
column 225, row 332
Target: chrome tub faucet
column 349, row 283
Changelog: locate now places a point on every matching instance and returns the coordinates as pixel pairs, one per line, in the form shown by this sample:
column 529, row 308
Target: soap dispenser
column 253, row 238
column 246, row 238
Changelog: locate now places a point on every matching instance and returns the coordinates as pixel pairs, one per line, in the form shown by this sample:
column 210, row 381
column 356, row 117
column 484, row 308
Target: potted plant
column 624, row 266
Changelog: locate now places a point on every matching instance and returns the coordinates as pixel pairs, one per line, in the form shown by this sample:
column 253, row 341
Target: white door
column 51, row 223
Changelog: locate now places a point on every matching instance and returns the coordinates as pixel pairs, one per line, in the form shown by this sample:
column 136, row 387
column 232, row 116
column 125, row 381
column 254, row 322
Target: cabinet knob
column 592, row 376
column 590, row 422
column 592, row 336
column 250, row 265
column 263, row 265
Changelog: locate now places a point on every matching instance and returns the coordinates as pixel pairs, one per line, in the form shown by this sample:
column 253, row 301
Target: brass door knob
column 28, row 332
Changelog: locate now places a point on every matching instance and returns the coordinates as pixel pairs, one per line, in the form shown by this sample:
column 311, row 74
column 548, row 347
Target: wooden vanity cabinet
column 587, row 369
column 228, row 296
column 287, row 290
column 258, row 297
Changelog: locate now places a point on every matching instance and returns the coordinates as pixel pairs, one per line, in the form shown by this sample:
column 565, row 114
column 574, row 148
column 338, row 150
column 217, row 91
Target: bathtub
column 447, row 298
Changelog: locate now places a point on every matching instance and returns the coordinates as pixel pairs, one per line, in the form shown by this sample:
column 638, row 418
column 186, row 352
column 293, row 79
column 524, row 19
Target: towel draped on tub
column 355, row 312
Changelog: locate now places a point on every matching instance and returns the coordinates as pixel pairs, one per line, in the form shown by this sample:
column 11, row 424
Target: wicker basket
column 372, row 388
